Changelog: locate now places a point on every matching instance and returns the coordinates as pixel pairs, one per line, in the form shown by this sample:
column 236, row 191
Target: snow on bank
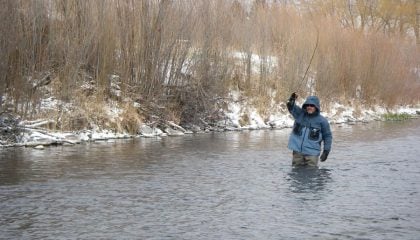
column 239, row 115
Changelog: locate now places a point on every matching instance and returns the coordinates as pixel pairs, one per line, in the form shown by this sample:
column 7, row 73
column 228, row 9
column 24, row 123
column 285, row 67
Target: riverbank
column 31, row 134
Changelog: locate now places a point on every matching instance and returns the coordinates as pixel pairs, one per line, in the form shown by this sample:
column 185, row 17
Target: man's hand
column 293, row 97
column 324, row 155
column 291, row 101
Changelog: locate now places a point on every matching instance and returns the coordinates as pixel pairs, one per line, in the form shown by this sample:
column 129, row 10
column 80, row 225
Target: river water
column 233, row 185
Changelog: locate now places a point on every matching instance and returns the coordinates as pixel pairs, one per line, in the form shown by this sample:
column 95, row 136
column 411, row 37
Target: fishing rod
column 310, row 61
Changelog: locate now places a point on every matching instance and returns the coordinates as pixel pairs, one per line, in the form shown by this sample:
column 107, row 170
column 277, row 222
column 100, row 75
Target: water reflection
column 308, row 179
column 11, row 165
column 216, row 186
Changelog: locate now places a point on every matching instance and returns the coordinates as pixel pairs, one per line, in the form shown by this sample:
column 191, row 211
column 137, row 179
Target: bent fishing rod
column 310, row 62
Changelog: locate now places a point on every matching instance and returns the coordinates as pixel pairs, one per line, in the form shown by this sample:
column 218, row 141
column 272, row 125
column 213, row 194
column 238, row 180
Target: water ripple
column 216, row 186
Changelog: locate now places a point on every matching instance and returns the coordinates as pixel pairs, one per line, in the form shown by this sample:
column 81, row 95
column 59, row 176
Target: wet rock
column 232, row 128
column 193, row 128
column 147, row 131
column 72, row 139
column 173, row 132
column 197, row 129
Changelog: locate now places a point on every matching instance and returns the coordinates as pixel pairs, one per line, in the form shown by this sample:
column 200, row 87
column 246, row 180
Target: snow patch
column 238, row 110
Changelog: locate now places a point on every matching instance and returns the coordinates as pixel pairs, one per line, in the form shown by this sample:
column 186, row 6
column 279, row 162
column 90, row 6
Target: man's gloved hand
column 293, row 97
column 324, row 155
column 291, row 101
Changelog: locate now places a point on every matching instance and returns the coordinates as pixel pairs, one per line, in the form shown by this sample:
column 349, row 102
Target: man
column 310, row 129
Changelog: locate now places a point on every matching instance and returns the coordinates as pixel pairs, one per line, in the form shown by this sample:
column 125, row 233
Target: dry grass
column 155, row 45
column 130, row 120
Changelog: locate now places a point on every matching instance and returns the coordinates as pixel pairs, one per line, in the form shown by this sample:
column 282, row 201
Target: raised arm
column 292, row 107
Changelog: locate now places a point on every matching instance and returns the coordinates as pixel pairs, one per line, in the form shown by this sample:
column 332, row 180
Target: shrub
column 396, row 116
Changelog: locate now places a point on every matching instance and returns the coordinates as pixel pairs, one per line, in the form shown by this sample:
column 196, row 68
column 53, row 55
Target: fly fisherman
column 310, row 129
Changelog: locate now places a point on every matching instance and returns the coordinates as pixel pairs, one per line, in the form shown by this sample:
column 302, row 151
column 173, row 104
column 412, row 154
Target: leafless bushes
column 9, row 129
column 182, row 55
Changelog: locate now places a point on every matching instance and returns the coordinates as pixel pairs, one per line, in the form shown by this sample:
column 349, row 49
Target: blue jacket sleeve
column 326, row 135
column 294, row 109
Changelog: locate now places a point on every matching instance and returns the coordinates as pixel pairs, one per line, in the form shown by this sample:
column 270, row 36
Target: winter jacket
column 309, row 130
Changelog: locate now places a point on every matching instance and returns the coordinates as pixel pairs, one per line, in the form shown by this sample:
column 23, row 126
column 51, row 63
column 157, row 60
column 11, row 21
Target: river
column 233, row 185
